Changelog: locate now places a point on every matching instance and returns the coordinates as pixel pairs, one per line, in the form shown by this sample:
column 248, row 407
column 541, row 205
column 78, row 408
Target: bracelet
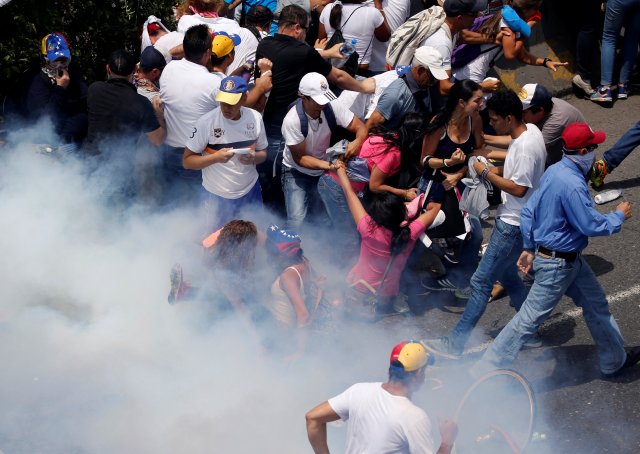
column 485, row 172
column 545, row 61
column 444, row 162
column 268, row 71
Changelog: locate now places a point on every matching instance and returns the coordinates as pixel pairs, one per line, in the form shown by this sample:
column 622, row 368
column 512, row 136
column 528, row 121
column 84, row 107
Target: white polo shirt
column 318, row 136
column 230, row 179
column 188, row 91
column 246, row 50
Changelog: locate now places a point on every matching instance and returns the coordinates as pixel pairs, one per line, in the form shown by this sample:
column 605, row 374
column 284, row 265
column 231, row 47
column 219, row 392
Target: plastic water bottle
column 607, row 196
column 347, row 48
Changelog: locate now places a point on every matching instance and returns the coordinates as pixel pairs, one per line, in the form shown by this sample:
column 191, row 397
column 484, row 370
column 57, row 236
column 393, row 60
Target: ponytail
column 399, row 240
column 335, row 17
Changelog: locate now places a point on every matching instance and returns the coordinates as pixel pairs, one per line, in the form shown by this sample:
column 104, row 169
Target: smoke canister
column 607, row 196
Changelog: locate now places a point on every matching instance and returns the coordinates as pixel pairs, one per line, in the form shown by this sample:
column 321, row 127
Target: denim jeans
column 590, row 18
column 555, row 277
column 270, row 171
column 343, row 224
column 301, row 198
column 498, row 263
column 620, row 13
column 623, row 147
column 219, row 211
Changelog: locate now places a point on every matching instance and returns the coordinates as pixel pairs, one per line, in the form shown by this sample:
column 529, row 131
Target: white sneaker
column 582, row 85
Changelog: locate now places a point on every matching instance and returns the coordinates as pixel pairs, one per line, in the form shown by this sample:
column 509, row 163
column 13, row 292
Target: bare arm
column 322, row 31
column 497, row 141
column 156, row 137
column 377, row 184
column 355, row 206
column 383, row 31
column 346, row 82
column 376, row 119
column 503, row 184
column 194, row 161
column 300, row 156
column 360, row 130
column 317, row 419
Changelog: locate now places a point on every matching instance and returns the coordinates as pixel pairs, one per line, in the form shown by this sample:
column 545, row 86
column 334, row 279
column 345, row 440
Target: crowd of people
column 390, row 151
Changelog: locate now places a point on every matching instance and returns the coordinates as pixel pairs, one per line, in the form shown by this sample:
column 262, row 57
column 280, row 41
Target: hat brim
column 229, row 98
column 439, row 73
column 598, row 137
column 324, row 98
column 51, row 56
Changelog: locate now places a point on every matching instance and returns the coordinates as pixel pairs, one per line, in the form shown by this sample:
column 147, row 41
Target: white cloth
column 360, row 26
column 318, row 135
column 443, row 42
column 230, row 179
column 397, row 12
column 478, row 68
column 362, row 104
column 524, row 166
column 188, row 91
column 246, row 50
column 165, row 43
column 474, row 198
column 380, row 422
column 146, row 40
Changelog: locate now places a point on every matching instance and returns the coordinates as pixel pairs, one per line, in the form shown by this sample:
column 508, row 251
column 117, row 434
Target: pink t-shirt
column 375, row 252
column 377, row 153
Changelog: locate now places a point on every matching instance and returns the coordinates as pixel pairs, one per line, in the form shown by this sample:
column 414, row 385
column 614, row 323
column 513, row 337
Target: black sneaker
column 633, row 357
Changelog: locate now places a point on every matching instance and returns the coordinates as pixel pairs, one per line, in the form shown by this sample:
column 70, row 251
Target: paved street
column 578, row 410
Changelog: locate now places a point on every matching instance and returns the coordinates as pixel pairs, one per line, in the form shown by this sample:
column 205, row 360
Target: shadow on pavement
column 599, row 265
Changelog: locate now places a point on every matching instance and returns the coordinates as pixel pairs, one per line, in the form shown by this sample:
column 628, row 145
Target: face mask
column 584, row 162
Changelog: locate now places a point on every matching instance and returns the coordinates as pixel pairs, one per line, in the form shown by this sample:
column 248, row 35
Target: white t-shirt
column 188, row 91
column 397, row 12
column 169, row 41
column 362, row 104
column 230, row 179
column 360, row 26
column 246, row 50
column 380, row 422
column 524, row 166
column 478, row 68
column 442, row 41
column 318, row 135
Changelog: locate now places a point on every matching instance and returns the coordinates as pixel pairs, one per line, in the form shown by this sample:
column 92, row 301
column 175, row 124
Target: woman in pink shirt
column 392, row 161
column 387, row 241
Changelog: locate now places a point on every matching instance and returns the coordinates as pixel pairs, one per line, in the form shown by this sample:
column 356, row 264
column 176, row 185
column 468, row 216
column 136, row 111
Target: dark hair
column 547, row 105
column 398, row 374
column 259, row 16
column 505, row 102
column 335, row 17
column 197, row 41
column 215, row 60
column 121, row 63
column 461, row 90
column 389, row 211
column 235, row 248
column 408, row 138
column 292, row 15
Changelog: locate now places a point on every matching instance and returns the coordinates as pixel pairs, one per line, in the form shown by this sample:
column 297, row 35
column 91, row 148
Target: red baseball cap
column 580, row 135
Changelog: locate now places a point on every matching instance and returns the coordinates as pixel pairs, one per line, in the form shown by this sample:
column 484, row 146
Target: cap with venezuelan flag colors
column 411, row 354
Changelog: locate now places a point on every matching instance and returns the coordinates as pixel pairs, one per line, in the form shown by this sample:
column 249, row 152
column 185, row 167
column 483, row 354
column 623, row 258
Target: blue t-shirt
column 397, row 100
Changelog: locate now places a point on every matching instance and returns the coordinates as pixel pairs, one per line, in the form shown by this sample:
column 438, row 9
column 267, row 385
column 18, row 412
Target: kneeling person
column 226, row 144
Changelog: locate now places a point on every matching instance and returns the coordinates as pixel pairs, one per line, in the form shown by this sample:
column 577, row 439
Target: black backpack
column 351, row 65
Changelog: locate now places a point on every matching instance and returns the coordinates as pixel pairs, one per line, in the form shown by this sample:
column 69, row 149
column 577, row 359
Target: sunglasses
column 591, row 147
column 304, row 27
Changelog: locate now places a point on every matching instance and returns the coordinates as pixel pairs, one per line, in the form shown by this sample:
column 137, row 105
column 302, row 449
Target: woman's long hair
column 407, row 138
column 236, row 246
column 335, row 17
column 389, row 211
column 461, row 90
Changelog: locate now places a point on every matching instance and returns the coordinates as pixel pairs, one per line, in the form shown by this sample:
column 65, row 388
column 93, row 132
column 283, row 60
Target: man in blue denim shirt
column 556, row 224
column 518, row 179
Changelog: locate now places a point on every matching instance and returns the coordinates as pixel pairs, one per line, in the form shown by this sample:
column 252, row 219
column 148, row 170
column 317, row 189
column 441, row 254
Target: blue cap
column 515, row 22
column 55, row 46
column 231, row 90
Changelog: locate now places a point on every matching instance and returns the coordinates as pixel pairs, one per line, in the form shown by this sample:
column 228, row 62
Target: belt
column 568, row 256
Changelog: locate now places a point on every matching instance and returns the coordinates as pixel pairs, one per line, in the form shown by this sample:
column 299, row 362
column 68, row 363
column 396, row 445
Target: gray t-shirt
column 561, row 116
column 398, row 99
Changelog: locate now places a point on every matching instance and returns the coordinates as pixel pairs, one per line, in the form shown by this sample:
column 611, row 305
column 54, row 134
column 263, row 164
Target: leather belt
column 568, row 256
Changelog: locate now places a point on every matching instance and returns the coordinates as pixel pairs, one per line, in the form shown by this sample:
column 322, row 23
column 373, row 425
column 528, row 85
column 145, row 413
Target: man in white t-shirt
column 460, row 15
column 188, row 91
column 226, row 144
column 381, row 417
column 396, row 12
column 524, row 164
column 307, row 134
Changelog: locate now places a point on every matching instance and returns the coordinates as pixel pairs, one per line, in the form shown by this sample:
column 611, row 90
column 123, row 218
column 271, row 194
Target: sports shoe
column 442, row 347
column 583, row 85
column 623, row 91
column 534, row 341
column 599, row 171
column 439, row 285
column 463, row 293
column 602, row 95
column 633, row 357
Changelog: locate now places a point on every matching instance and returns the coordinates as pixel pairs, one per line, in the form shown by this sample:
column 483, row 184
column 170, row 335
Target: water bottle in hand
column 347, row 48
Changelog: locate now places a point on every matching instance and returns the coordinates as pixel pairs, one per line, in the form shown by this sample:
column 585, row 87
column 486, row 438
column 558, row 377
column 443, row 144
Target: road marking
column 572, row 314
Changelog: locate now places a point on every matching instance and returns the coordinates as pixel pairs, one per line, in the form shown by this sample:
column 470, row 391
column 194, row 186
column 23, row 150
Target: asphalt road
column 578, row 411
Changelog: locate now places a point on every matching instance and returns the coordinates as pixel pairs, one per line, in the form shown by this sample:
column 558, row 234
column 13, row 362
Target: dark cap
column 462, row 7
column 534, row 95
column 151, row 58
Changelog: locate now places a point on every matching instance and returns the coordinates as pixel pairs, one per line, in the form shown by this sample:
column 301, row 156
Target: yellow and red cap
column 411, row 354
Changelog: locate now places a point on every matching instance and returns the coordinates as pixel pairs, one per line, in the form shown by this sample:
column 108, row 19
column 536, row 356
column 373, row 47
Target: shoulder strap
column 352, row 13
column 304, row 122
column 298, row 273
column 330, row 116
column 254, row 31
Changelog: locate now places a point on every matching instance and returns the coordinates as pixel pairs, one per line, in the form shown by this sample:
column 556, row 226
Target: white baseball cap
column 315, row 85
column 428, row 57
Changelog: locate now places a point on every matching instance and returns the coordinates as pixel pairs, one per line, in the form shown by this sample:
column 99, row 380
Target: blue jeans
column 623, row 147
column 269, row 171
column 620, row 13
column 498, row 263
column 219, row 210
column 555, row 277
column 343, row 224
column 301, row 198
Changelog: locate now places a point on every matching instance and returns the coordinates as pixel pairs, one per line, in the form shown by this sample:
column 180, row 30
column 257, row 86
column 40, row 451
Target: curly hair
column 235, row 248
